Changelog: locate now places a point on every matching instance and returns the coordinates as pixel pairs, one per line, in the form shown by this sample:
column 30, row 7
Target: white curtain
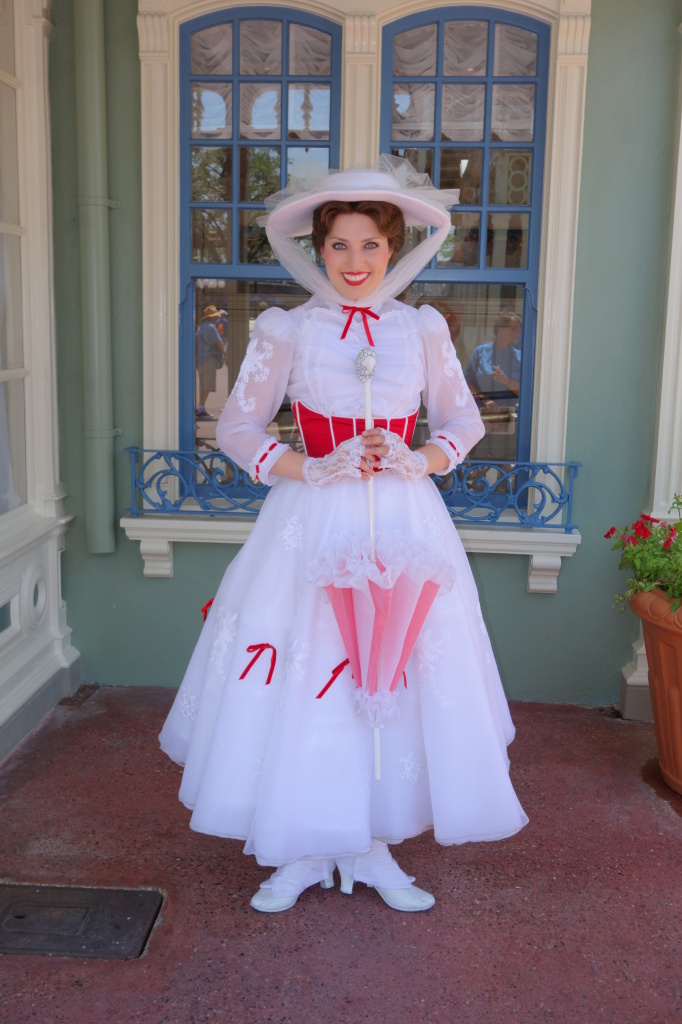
column 462, row 112
column 513, row 109
column 413, row 111
column 309, row 51
column 515, row 51
column 414, row 52
column 212, row 51
column 465, row 45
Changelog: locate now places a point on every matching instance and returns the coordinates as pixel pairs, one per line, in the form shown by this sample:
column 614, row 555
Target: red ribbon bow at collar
column 364, row 312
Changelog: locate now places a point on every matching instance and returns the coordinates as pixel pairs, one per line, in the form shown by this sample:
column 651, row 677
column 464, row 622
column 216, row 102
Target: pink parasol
column 381, row 605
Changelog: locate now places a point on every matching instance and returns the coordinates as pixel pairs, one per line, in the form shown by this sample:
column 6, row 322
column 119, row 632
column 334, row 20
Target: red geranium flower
column 610, row 533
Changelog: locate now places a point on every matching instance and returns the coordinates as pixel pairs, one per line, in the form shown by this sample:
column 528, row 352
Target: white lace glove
column 401, row 459
column 342, row 462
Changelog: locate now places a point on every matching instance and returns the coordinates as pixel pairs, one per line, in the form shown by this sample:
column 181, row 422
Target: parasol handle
column 377, row 753
column 368, row 426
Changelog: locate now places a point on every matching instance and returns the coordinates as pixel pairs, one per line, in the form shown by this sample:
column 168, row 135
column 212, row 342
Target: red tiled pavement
column 576, row 919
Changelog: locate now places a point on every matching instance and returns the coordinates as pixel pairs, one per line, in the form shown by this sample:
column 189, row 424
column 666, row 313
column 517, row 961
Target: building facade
column 130, row 209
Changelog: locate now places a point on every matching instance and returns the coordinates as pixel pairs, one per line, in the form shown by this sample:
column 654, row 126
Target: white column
column 360, row 108
column 564, row 159
column 667, row 467
column 42, row 441
column 159, row 200
column 666, row 477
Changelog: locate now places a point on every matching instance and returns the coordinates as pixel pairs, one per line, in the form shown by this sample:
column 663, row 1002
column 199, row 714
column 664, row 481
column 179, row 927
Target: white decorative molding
column 635, row 699
column 37, row 13
column 152, row 32
column 666, row 478
column 156, row 535
column 360, row 35
column 574, row 36
column 566, row 118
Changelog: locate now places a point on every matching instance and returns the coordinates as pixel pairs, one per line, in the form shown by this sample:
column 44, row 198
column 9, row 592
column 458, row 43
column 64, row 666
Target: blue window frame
column 259, row 96
column 464, row 98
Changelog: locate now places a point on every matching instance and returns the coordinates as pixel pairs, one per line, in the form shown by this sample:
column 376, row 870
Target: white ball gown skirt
column 269, row 761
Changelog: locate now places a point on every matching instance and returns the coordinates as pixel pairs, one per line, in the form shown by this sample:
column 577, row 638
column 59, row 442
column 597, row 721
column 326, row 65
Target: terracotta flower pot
column 663, row 641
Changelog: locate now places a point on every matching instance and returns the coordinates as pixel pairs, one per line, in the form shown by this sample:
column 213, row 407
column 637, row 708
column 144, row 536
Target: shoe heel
column 346, row 883
column 327, row 883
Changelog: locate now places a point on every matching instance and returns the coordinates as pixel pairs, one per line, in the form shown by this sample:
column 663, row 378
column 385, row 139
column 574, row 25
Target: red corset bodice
column 322, row 434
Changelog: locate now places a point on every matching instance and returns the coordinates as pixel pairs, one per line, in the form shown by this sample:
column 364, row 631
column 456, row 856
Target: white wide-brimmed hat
column 392, row 180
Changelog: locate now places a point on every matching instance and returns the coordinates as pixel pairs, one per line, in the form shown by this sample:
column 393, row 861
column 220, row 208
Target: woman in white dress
column 275, row 753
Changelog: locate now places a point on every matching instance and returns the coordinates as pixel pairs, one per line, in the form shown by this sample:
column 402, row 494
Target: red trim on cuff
column 264, row 457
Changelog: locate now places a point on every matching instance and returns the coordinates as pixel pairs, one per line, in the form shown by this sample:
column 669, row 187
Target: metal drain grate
column 112, row 924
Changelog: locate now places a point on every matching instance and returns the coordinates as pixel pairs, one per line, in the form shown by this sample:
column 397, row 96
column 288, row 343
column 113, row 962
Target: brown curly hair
column 387, row 217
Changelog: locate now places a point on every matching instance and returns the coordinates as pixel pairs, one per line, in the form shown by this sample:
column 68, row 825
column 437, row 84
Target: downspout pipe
column 93, row 230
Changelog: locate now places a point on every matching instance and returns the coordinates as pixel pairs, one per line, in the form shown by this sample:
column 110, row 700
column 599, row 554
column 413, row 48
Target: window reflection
column 260, row 111
column 253, row 242
column 260, row 48
column 304, row 161
column 258, row 173
column 211, row 110
column 211, row 236
column 225, row 313
column 421, row 159
column 507, row 240
column 461, row 168
column 510, row 177
column 461, row 248
column 486, row 329
column 11, row 345
column 414, row 52
column 308, row 112
column 466, row 48
column 212, row 51
column 513, row 113
column 413, row 112
column 515, row 51
column 9, row 181
column 211, row 174
column 462, row 113
column 310, row 51
column 12, row 445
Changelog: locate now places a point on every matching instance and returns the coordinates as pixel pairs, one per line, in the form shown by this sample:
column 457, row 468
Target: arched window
column 464, row 95
column 258, row 104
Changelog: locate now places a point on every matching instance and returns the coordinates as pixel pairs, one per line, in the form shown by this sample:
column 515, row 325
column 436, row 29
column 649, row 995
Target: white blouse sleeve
column 257, row 395
column 453, row 416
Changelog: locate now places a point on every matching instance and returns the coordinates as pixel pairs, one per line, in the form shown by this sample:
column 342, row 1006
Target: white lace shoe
column 410, row 899
column 378, row 870
column 283, row 888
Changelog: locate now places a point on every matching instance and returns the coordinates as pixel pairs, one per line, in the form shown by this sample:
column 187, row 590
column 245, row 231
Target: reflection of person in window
column 494, row 370
column 209, row 353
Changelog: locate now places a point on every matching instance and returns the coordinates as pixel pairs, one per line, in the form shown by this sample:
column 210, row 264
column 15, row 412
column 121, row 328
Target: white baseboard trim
column 62, row 684
column 635, row 699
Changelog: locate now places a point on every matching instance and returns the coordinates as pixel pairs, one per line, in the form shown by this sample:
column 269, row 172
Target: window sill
column 544, row 548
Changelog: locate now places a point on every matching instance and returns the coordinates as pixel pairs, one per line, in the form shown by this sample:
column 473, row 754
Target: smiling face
column 356, row 255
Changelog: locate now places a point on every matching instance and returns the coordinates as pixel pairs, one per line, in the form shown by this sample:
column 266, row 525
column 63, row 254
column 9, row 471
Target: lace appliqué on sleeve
column 452, row 369
column 253, row 366
column 451, row 445
column 265, row 458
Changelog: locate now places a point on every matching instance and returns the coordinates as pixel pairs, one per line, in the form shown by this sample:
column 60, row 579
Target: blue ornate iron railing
column 481, row 493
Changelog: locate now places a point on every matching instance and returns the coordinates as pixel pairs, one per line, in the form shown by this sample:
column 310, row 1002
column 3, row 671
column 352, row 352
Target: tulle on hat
column 390, row 180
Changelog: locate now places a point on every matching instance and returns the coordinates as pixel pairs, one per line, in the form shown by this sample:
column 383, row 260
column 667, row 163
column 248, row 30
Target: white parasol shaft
column 370, row 485
column 366, row 362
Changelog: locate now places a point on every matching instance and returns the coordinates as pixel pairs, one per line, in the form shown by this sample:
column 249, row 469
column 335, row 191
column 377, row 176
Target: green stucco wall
column 566, row 647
